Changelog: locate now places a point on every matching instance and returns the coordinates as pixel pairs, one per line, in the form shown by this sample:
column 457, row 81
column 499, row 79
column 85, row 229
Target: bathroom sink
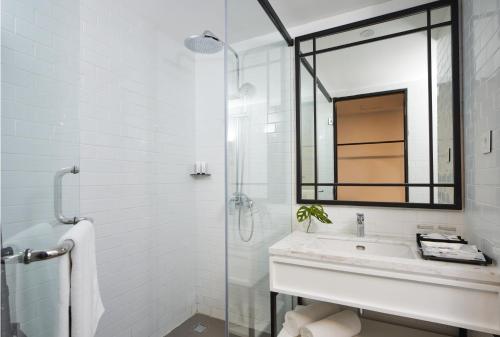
column 364, row 246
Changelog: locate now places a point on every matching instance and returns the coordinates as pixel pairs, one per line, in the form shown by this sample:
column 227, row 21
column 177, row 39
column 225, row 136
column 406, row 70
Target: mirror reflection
column 376, row 114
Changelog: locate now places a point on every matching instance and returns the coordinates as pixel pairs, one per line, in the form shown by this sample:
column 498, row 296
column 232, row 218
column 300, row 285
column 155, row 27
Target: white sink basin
column 364, row 247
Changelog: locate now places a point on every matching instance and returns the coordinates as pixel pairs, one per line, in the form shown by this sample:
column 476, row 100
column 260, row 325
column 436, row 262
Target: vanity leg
column 273, row 313
column 462, row 332
column 300, row 301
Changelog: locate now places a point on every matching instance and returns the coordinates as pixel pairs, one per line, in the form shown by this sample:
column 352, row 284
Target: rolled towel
column 343, row 324
column 284, row 333
column 303, row 315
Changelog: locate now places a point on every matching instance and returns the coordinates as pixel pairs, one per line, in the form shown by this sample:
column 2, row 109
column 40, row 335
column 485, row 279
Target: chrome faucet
column 360, row 222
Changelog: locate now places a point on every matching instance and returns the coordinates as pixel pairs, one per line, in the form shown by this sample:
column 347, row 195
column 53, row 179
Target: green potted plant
column 308, row 212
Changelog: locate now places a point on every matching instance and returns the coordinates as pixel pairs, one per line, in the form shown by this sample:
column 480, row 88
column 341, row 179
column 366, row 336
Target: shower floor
column 213, row 327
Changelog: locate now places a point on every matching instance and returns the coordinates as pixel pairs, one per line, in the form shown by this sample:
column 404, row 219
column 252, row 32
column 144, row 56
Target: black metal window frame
column 404, row 140
column 456, row 105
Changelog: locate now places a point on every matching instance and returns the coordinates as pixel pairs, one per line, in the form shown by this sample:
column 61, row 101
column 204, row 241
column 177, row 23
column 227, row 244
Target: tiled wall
column 481, row 88
column 93, row 83
column 210, row 193
column 137, row 117
column 39, row 135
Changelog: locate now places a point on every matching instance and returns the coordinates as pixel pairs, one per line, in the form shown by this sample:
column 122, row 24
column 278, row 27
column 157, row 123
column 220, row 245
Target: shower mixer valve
column 240, row 200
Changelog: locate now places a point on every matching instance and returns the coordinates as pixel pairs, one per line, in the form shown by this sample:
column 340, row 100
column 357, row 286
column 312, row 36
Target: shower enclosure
column 258, row 166
column 105, row 107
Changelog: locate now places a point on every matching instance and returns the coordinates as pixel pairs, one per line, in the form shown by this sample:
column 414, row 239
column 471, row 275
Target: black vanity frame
column 456, row 101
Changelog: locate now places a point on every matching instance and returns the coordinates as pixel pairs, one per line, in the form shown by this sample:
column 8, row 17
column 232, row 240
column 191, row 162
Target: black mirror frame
column 456, row 101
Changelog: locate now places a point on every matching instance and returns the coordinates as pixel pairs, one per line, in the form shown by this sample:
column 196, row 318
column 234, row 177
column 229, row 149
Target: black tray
column 445, row 259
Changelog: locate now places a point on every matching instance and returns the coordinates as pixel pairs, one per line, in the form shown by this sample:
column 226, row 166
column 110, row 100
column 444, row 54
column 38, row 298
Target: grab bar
column 29, row 255
column 58, row 196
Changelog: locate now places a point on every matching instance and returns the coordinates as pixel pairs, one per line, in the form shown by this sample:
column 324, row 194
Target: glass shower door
column 259, row 186
column 39, row 137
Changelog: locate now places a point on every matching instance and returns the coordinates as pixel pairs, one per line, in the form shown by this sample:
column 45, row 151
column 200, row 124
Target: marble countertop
column 305, row 246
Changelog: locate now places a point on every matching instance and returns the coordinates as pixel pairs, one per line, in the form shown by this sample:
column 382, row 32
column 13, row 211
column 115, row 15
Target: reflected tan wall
column 371, row 119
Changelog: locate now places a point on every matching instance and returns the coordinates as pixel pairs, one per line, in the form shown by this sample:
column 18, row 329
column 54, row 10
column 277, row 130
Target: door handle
column 58, row 212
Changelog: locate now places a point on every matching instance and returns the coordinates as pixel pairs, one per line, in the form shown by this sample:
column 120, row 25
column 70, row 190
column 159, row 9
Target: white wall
column 481, row 87
column 40, row 49
column 210, row 191
column 137, row 118
column 142, row 122
column 108, row 85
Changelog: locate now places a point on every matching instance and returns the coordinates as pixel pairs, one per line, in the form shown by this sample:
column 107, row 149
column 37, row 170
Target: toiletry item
column 440, row 236
column 303, row 315
column 198, row 168
column 204, row 167
column 451, row 250
column 342, row 324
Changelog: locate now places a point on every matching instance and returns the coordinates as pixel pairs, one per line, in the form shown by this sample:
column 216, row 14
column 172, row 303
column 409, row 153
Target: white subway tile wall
column 137, row 116
column 210, row 192
column 481, row 87
column 39, row 117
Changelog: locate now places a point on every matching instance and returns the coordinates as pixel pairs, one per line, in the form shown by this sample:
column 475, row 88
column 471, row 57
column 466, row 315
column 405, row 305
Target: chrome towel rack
column 58, row 213
column 30, row 255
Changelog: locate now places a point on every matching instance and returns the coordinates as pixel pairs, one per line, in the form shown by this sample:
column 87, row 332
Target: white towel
column 343, row 324
column 303, row 315
column 79, row 286
column 284, row 333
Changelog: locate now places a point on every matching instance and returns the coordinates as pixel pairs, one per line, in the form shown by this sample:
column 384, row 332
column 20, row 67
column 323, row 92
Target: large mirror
column 378, row 111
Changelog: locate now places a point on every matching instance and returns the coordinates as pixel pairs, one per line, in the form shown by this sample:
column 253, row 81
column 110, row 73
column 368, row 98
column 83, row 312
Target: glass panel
column 442, row 103
column 376, row 118
column 258, row 167
column 369, row 32
column 444, row 195
column 439, row 15
column 308, row 192
column 394, row 64
column 324, row 141
column 307, row 123
column 325, row 192
column 40, row 135
column 371, row 193
column 419, row 195
column 306, row 46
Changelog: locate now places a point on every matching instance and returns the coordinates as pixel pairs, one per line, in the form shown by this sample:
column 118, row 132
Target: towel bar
column 29, row 255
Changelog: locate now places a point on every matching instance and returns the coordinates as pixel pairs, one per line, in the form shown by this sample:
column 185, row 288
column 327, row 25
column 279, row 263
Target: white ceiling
column 298, row 12
column 246, row 18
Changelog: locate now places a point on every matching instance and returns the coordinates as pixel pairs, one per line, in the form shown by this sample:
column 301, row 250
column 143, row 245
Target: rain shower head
column 206, row 43
column 209, row 43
